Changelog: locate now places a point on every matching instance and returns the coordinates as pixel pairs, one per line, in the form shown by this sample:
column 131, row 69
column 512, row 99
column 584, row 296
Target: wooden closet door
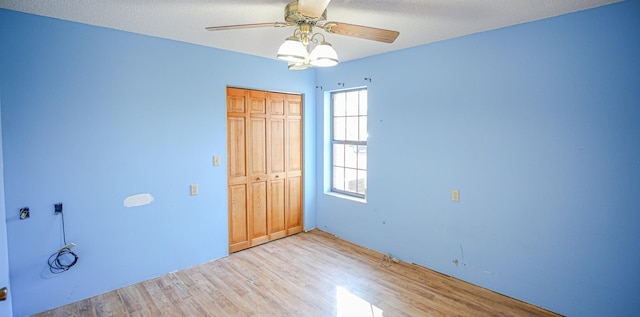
column 237, row 170
column 277, row 162
column 257, row 150
column 265, row 166
column 293, row 164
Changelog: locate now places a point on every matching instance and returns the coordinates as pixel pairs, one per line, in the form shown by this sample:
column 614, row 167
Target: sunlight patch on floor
column 350, row 305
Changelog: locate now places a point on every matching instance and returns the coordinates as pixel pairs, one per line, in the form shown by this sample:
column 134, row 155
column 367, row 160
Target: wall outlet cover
column 455, row 195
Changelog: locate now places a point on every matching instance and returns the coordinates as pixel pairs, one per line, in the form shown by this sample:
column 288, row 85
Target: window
column 349, row 142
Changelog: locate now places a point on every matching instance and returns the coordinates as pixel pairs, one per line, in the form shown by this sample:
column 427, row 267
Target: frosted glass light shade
column 292, row 50
column 323, row 55
column 299, row 66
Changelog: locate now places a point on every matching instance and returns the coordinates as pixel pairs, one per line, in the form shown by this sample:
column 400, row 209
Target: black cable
column 64, row 233
column 61, row 261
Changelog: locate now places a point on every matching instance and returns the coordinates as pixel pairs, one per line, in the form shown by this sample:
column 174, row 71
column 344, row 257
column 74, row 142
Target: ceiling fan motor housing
column 291, row 14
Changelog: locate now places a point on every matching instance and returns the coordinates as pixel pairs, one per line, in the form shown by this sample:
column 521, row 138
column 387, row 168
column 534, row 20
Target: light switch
column 194, row 189
column 216, row 160
column 455, row 195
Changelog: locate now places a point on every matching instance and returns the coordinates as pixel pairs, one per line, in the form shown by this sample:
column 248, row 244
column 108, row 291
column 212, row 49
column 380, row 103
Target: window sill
column 347, row 197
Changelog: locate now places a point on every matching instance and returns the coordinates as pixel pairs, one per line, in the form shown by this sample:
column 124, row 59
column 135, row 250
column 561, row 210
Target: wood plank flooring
column 309, row 274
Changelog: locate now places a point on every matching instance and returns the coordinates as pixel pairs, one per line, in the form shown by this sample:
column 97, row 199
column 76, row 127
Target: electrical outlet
column 194, row 189
column 455, row 195
column 57, row 208
column 24, row 213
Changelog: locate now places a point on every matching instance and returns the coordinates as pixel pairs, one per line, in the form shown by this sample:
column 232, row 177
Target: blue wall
column 6, row 308
column 91, row 116
column 538, row 126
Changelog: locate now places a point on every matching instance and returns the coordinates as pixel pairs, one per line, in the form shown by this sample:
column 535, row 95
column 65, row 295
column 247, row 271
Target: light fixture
column 292, row 50
column 323, row 55
column 295, row 50
column 299, row 65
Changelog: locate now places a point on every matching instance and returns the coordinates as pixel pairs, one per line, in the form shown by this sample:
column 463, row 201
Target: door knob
column 3, row 294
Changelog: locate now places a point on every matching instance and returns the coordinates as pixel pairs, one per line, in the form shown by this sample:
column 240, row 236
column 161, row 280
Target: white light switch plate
column 216, row 160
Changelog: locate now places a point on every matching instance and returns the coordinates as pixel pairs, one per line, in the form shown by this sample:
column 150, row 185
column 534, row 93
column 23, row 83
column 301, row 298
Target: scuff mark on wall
column 456, row 261
column 138, row 200
column 471, row 266
column 462, row 253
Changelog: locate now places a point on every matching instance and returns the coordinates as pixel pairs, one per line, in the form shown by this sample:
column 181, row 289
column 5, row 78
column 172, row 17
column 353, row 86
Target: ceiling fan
column 305, row 15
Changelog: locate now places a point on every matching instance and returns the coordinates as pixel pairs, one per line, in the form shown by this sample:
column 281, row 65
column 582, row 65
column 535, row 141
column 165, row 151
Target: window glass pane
column 352, row 128
column 351, row 179
column 338, row 178
column 338, row 104
column 339, row 129
column 362, row 182
column 352, row 103
column 363, row 103
column 338, row 154
column 349, row 145
column 363, row 129
column 362, row 157
column 351, row 156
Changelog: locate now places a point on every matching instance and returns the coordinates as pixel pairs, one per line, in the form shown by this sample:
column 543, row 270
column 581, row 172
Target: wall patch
column 138, row 200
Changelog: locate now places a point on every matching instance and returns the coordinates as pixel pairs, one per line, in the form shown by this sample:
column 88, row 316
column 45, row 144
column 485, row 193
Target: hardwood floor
column 309, row 274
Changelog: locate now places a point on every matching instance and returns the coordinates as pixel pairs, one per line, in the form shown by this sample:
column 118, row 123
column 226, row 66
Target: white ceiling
column 418, row 21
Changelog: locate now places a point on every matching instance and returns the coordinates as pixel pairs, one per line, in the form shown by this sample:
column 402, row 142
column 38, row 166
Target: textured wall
column 91, row 116
column 537, row 125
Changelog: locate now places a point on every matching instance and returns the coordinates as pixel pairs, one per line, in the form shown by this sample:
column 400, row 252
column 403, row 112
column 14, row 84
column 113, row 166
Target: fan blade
column 312, row 8
column 247, row 26
column 363, row 32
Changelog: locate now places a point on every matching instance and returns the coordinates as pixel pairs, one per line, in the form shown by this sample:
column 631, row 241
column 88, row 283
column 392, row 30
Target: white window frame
column 360, row 144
